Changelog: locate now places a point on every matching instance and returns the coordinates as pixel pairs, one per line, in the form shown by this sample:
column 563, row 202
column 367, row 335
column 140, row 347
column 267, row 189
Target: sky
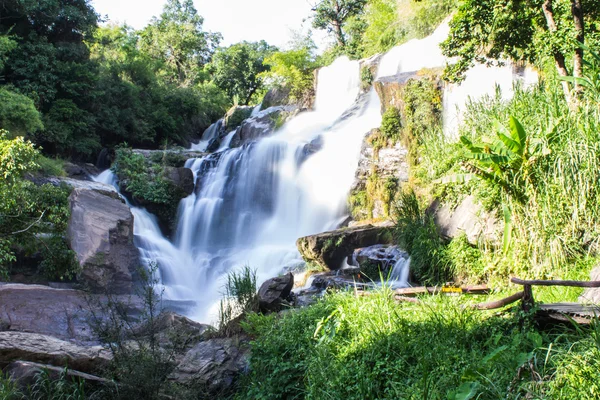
column 237, row 20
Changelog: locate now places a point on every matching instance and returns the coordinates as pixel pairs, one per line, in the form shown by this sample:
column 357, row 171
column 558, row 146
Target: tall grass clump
column 239, row 297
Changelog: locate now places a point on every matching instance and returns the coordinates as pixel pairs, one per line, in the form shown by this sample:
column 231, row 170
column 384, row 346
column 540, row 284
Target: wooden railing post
column 527, row 302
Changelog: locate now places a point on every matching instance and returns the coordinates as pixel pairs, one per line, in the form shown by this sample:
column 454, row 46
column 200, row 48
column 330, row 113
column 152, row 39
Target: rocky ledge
column 329, row 250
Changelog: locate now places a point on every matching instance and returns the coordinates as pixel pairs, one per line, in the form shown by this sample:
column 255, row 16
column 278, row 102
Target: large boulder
column 25, row 374
column 40, row 309
column 213, row 365
column 329, row 250
column 261, row 125
column 100, row 231
column 62, row 313
column 15, row 346
column 278, row 96
column 469, row 218
column 182, row 178
column 275, row 292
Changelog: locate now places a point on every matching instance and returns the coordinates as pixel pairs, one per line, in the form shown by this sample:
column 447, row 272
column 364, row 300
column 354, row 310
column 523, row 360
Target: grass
column 371, row 347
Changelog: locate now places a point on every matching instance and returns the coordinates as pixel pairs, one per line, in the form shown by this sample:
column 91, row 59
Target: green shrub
column 391, row 124
column 239, row 298
column 417, row 233
column 366, row 77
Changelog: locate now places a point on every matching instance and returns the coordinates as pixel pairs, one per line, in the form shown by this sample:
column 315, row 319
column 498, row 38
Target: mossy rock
column 235, row 116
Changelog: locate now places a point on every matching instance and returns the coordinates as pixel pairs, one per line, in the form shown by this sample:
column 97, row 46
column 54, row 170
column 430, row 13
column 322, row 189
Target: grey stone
column 469, row 217
column 99, row 187
column 100, row 231
column 182, row 178
column 23, row 346
column 330, row 249
column 260, row 125
column 275, row 292
column 213, row 364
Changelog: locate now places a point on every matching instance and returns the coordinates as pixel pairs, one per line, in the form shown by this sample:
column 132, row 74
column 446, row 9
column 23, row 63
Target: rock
column 172, row 158
column 330, row 249
column 100, row 231
column 213, row 144
column 374, row 259
column 15, row 346
column 279, row 96
column 213, row 364
column 391, row 88
column 182, row 178
column 80, row 171
column 235, row 116
column 41, row 309
column 469, row 217
column 25, row 374
column 592, row 295
column 261, row 125
column 102, row 188
column 275, row 292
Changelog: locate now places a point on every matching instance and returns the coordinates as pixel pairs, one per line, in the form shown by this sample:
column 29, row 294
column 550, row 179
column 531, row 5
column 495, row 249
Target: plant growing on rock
column 239, row 298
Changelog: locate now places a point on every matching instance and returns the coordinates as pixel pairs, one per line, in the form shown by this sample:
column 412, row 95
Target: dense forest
column 72, row 85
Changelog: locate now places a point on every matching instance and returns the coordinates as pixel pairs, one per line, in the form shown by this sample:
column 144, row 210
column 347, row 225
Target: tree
column 293, row 70
column 177, row 42
column 237, row 69
column 51, row 66
column 492, row 30
column 331, row 15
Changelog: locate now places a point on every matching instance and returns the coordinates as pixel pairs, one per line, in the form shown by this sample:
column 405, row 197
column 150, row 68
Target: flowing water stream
column 252, row 203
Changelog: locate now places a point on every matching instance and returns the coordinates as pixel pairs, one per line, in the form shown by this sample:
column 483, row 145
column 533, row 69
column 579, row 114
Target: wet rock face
column 213, row 365
column 276, row 97
column 275, row 292
column 235, row 116
column 330, row 249
column 182, row 178
column 100, row 231
column 390, row 89
column 261, row 125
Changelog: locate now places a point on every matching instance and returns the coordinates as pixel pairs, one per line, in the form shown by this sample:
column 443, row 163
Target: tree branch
column 30, row 226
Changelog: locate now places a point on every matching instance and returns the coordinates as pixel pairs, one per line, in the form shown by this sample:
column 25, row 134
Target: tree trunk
column 339, row 34
column 577, row 12
column 559, row 58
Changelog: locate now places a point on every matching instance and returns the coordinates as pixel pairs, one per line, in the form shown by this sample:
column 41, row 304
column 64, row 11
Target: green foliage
column 417, row 233
column 493, row 30
column 32, row 218
column 468, row 260
column 391, row 124
column 18, row 114
column 239, row 297
column 366, row 77
column 144, row 347
column 331, row 15
column 292, row 69
column 238, row 69
column 50, row 166
column 422, row 112
column 354, row 347
column 178, row 44
column 45, row 387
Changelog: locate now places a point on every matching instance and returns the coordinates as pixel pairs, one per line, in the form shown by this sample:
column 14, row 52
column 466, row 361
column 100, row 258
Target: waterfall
column 252, row 203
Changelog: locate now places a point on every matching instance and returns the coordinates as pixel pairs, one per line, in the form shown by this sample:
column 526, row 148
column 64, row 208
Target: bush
column 239, row 298
column 417, row 233
column 32, row 218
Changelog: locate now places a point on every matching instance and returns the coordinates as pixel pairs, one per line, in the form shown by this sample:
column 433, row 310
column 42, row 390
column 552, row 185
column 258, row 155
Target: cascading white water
column 252, row 203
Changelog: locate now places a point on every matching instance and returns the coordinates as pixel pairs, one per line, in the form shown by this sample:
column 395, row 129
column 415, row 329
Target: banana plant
column 505, row 162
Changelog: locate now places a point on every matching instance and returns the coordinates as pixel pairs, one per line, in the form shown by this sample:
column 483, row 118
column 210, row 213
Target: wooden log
column 499, row 303
column 413, row 291
column 527, row 302
column 583, row 284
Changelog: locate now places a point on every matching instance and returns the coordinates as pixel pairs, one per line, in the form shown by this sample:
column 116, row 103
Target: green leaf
column 518, row 132
column 466, row 391
column 507, row 228
column 455, row 178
